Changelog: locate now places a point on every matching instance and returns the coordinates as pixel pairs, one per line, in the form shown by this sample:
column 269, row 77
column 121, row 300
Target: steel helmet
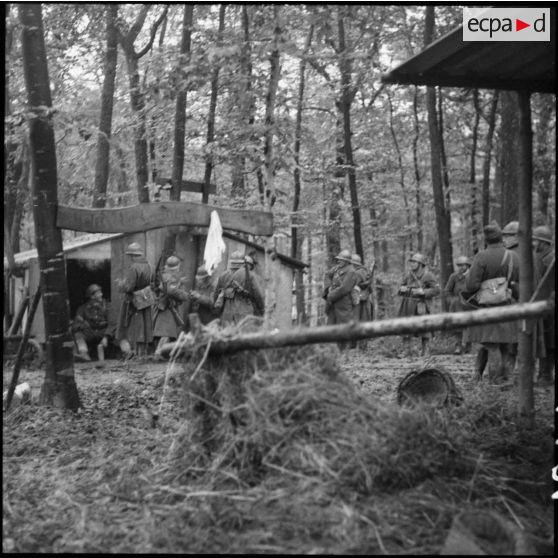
column 511, row 228
column 172, row 263
column 463, row 260
column 356, row 259
column 418, row 258
column 92, row 289
column 134, row 249
column 202, row 271
column 236, row 259
column 542, row 233
column 344, row 256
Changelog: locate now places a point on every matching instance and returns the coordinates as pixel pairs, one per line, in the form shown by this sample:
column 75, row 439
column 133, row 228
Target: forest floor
column 99, row 480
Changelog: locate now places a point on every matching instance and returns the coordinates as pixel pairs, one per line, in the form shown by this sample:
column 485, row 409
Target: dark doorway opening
column 80, row 274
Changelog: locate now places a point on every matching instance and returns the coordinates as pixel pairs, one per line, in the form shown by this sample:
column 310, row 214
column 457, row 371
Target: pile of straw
column 292, row 412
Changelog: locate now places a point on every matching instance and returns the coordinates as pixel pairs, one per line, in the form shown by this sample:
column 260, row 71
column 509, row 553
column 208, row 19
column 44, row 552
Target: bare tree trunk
column 274, row 70
column 487, row 160
column 212, row 109
column 443, row 219
column 506, row 179
column 296, row 240
column 107, row 98
column 59, row 387
column 473, row 177
column 545, row 162
column 180, row 110
column 418, row 196
column 347, row 96
column 525, row 354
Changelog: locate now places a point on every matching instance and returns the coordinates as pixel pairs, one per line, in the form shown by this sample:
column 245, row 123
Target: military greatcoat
column 416, row 305
column 168, row 310
column 487, row 264
column 133, row 324
column 341, row 310
column 542, row 261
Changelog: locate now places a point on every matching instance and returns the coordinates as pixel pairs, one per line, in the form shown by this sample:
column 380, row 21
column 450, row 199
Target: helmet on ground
column 356, row 259
column 202, row 271
column 542, row 233
column 511, row 228
column 134, row 249
column 463, row 260
column 419, row 258
column 92, row 289
column 172, row 263
column 344, row 256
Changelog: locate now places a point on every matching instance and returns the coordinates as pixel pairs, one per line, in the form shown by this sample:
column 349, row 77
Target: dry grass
column 268, row 452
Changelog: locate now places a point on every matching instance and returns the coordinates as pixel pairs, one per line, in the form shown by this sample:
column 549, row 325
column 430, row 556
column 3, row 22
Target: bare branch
column 148, row 46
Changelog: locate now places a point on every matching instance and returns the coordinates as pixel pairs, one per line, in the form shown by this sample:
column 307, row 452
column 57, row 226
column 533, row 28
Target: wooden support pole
column 20, row 313
column 381, row 328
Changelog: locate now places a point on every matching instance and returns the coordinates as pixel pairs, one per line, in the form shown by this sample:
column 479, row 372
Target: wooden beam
column 188, row 185
column 149, row 216
column 366, row 330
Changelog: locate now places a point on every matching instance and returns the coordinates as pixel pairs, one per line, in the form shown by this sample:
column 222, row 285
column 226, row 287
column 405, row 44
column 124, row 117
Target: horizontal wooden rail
column 146, row 216
column 380, row 328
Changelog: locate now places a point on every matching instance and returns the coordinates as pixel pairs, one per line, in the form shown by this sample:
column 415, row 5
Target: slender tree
column 418, row 176
column 180, row 108
column 474, row 196
column 488, row 159
column 443, row 220
column 102, row 164
column 59, row 386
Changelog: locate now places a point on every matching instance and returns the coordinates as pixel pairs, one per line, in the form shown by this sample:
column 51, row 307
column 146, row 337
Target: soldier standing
column 545, row 261
column 509, row 236
column 134, row 329
column 418, row 287
column 497, row 338
column 171, row 293
column 454, row 287
column 202, row 297
column 235, row 262
column 363, row 309
column 339, row 302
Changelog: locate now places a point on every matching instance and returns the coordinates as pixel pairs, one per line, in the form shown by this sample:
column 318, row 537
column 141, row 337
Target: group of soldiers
column 235, row 294
column 348, row 280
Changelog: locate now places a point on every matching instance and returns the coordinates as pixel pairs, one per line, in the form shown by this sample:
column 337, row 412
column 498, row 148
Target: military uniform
column 243, row 296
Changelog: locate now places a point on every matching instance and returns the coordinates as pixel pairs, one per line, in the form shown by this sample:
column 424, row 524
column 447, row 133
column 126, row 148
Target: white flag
column 215, row 245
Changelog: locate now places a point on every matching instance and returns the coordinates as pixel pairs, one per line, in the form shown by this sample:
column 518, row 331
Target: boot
column 83, row 351
column 480, row 363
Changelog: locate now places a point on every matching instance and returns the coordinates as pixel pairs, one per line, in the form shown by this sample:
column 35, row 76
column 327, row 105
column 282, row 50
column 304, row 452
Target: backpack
column 496, row 291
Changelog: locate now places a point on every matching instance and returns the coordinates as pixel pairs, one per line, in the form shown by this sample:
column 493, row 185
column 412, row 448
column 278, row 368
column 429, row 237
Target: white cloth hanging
column 215, row 245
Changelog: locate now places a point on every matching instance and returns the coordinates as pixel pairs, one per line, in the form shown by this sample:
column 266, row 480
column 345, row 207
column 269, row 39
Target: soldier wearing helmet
column 171, row 292
column 509, row 236
column 417, row 289
column 236, row 260
column 498, row 340
column 90, row 324
column 339, row 302
column 202, row 296
column 545, row 277
column 362, row 295
column 454, row 287
column 134, row 329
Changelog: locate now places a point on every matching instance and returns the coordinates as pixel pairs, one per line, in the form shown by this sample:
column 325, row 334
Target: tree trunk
column 443, row 219
column 59, row 387
column 180, row 109
column 487, row 160
column 296, row 240
column 274, row 71
column 347, row 95
column 105, row 124
column 418, row 195
column 473, row 177
column 506, row 179
column 212, row 109
column 525, row 355
column 545, row 162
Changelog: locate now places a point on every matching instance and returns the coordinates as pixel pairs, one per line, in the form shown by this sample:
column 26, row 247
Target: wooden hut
column 99, row 258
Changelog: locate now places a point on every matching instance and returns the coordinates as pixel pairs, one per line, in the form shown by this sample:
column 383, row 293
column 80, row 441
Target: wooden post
column 525, row 354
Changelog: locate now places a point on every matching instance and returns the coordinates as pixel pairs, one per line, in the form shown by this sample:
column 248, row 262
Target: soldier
column 363, row 309
column 171, row 293
column 243, row 294
column 544, row 261
column 235, row 262
column 454, row 287
column 90, row 323
column 134, row 329
column 202, row 297
column 418, row 288
column 509, row 236
column 496, row 338
column 339, row 303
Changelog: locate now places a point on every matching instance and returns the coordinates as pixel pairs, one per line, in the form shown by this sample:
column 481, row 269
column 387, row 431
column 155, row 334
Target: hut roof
column 452, row 62
column 23, row 258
